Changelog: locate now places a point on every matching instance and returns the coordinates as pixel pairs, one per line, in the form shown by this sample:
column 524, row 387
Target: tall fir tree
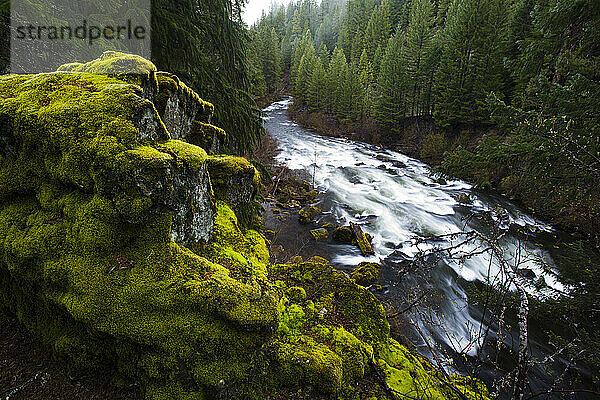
column 304, row 72
column 390, row 106
column 415, row 53
column 337, row 75
column 318, row 97
column 471, row 64
column 366, row 80
column 378, row 29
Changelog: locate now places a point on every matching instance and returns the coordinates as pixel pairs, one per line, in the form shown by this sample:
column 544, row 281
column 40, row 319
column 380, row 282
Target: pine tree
column 471, row 65
column 415, row 52
column 318, row 97
column 298, row 51
column 304, row 73
column 206, row 43
column 337, row 75
column 352, row 96
column 270, row 55
column 378, row 28
column 365, row 78
column 379, row 52
column 390, row 106
column 441, row 12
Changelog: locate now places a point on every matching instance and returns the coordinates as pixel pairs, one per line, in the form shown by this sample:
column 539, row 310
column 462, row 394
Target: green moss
column 244, row 249
column 235, row 181
column 366, row 273
column 307, row 215
column 353, row 352
column 363, row 240
column 412, row 376
column 186, row 154
column 319, row 234
column 64, row 127
column 169, row 85
column 296, row 294
column 130, row 68
column 306, row 363
column 113, row 63
column 206, row 136
column 343, row 235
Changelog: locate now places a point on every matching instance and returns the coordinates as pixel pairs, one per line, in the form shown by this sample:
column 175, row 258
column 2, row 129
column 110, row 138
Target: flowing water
column 397, row 199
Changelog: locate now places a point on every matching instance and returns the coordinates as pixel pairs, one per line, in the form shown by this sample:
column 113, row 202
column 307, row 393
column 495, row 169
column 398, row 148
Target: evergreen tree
column 441, row 12
column 365, row 78
column 418, row 38
column 298, row 51
column 390, row 107
column 268, row 52
column 318, row 97
column 337, row 75
column 379, row 52
column 304, row 73
column 378, row 28
column 205, row 44
column 471, row 64
column 352, row 95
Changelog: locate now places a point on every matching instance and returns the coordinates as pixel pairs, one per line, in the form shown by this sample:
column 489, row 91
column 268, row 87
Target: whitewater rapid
column 397, row 199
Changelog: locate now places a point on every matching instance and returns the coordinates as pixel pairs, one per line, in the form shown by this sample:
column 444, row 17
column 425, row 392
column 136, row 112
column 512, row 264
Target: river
column 397, row 200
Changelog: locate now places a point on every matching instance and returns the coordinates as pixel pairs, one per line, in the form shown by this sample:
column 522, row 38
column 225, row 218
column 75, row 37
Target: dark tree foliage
column 204, row 42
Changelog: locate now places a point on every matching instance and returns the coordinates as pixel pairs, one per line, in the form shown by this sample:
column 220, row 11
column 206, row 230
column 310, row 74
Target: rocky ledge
column 122, row 251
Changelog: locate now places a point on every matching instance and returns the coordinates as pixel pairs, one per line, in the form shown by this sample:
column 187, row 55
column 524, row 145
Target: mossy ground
column 88, row 178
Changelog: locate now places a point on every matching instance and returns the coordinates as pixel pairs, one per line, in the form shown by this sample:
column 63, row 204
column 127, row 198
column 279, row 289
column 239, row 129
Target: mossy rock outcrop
column 121, row 249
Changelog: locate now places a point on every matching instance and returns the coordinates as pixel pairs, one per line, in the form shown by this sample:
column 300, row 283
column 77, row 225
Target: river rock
column 399, row 261
column 464, row 198
column 526, row 273
column 343, row 235
column 366, row 273
column 319, row 234
column 362, row 241
column 307, row 215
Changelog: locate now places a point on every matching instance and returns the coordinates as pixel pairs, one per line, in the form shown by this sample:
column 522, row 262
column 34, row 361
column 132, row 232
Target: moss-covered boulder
column 343, row 235
column 308, row 214
column 235, row 181
column 319, row 234
column 180, row 106
column 122, row 250
column 130, row 68
column 366, row 273
column 97, row 202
